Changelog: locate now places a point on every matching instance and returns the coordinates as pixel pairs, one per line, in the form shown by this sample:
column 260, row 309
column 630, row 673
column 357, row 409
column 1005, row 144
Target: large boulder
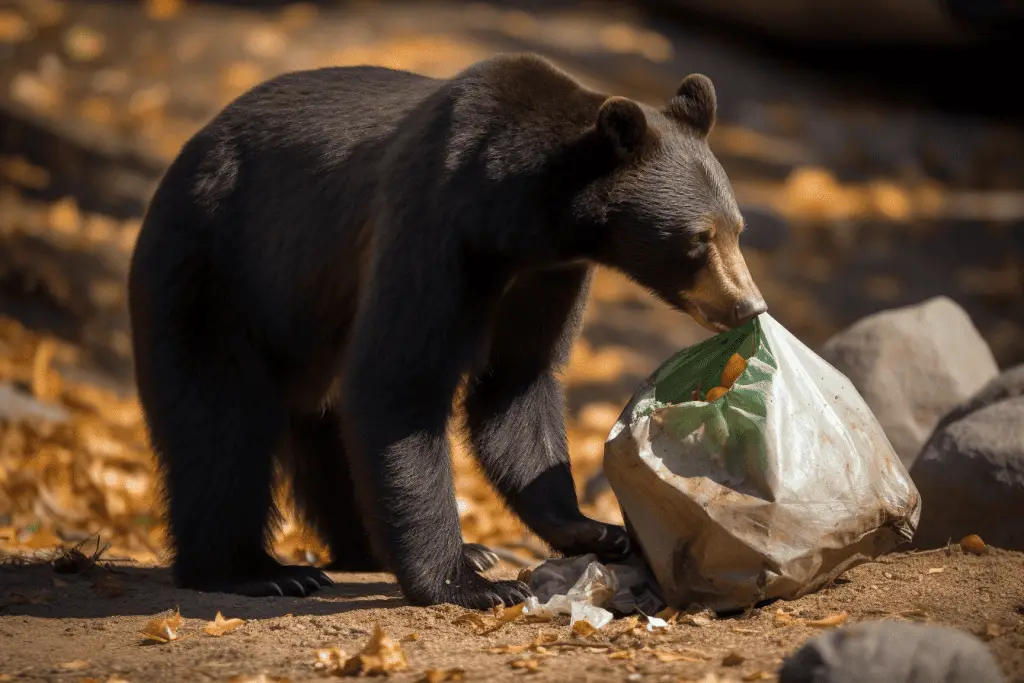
column 913, row 365
column 1009, row 384
column 892, row 651
column 971, row 478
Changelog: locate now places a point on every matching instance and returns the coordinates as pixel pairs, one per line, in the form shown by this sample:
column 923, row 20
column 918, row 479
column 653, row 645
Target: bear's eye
column 702, row 237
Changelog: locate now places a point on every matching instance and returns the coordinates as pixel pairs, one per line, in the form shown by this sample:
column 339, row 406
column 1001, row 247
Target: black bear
column 335, row 253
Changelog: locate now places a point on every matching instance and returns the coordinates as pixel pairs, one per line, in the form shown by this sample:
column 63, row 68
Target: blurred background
column 874, row 164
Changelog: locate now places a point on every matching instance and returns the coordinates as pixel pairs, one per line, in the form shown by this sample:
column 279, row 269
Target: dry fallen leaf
column 472, row 619
column 524, row 664
column 915, row 614
column 411, row 637
column 538, row 644
column 829, row 621
column 973, row 544
column 784, row 618
column 442, row 675
column 382, row 655
column 936, row 570
column 669, row 614
column 664, row 656
column 509, row 649
column 699, row 619
column 219, row 626
column 162, row 629
column 756, row 676
column 74, row 561
column 75, row 665
column 258, row 678
column 331, row 658
column 502, row 615
column 992, row 631
column 622, row 654
column 583, row 628
column 509, row 614
column 733, row 659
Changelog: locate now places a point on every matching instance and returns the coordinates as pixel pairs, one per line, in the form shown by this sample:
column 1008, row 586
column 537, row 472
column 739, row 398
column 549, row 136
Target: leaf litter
column 382, row 655
column 219, row 626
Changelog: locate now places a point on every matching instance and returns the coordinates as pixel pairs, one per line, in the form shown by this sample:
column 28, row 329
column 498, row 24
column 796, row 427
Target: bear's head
column 666, row 214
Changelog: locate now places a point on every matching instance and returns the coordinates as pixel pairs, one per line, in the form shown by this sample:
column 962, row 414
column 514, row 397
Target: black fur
column 695, row 103
column 327, row 259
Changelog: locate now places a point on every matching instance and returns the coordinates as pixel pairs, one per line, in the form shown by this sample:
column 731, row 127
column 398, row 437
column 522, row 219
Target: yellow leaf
column 936, row 570
column 412, row 636
column 162, row 629
column 784, row 618
column 472, row 619
column 509, row 649
column 381, row 656
column 756, row 676
column 524, row 664
column 219, row 626
column 510, row 614
column 75, row 665
column 669, row 614
column 331, row 658
column 829, row 621
column 622, row 654
column 665, row 657
column 583, row 628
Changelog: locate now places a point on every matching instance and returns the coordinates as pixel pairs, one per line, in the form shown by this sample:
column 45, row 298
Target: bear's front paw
column 276, row 580
column 475, row 592
column 479, row 557
column 607, row 541
column 468, row 589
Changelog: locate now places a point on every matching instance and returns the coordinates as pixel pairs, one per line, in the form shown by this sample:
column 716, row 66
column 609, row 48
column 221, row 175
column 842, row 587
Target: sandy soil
column 81, row 627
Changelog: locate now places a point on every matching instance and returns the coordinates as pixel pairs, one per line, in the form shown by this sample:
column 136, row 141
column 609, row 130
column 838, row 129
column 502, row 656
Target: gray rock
column 913, row 365
column 16, row 405
column 892, row 652
column 1009, row 384
column 971, row 479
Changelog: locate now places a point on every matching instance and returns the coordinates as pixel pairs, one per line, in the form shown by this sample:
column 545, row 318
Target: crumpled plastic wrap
column 772, row 489
column 587, row 590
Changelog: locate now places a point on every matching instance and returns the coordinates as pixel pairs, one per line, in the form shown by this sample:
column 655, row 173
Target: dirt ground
column 86, row 627
column 791, row 151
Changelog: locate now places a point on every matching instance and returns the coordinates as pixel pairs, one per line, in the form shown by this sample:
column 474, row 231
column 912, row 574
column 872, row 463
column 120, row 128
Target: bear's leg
column 514, row 409
column 415, row 332
column 215, row 421
column 318, row 466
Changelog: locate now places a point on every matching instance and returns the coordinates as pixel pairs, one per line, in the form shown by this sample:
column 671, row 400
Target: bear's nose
column 748, row 308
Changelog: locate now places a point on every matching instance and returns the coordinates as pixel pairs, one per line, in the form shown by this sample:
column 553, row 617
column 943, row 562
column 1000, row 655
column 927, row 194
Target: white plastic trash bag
column 769, row 491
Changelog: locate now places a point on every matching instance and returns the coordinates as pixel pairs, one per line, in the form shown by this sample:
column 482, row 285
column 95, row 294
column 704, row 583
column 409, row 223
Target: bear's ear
column 623, row 123
column 695, row 103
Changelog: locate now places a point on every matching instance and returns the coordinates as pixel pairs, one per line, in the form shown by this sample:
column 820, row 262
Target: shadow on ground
column 35, row 590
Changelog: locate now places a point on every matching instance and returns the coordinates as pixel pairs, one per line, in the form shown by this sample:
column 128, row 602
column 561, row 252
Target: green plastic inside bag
column 733, row 427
